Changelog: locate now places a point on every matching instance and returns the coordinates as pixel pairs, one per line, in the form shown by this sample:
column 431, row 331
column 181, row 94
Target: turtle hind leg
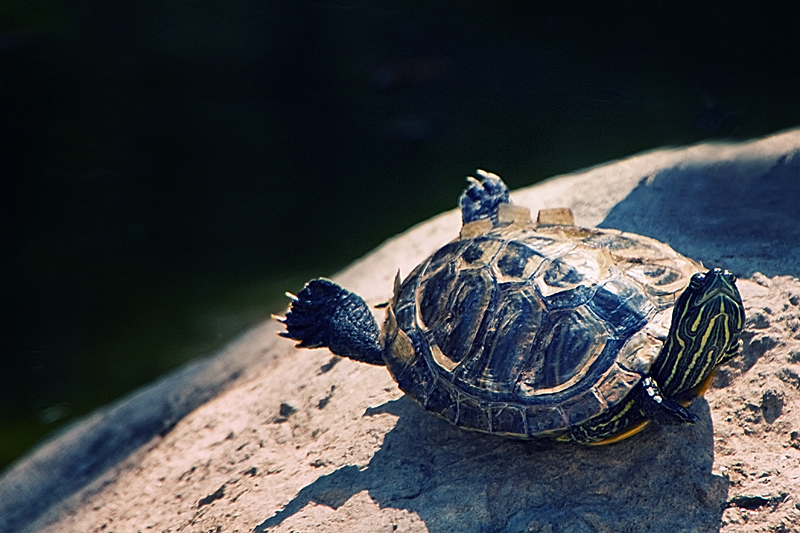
column 324, row 314
column 482, row 198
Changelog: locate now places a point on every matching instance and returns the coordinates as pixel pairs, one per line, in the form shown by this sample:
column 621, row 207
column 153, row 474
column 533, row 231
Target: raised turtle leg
column 326, row 315
column 481, row 198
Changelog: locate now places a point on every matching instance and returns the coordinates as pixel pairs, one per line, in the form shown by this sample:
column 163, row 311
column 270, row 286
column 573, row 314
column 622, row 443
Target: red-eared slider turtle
column 539, row 330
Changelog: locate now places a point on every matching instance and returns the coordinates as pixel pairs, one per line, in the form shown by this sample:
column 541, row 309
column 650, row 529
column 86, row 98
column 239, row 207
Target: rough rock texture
column 304, row 441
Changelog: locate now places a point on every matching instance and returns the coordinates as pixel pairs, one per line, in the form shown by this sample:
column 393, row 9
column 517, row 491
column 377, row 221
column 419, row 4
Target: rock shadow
column 741, row 214
column 454, row 480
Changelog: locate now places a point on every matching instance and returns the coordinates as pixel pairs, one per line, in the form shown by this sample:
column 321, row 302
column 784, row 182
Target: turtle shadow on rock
column 741, row 214
column 454, row 480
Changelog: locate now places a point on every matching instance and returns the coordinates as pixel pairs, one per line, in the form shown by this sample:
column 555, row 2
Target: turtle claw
column 663, row 411
column 281, row 319
column 291, row 296
column 481, row 198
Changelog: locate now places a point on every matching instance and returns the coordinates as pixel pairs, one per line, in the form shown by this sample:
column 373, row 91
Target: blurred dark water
column 168, row 169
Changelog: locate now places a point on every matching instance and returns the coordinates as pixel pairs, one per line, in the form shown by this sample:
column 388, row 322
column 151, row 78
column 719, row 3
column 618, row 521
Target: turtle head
column 714, row 284
column 706, row 323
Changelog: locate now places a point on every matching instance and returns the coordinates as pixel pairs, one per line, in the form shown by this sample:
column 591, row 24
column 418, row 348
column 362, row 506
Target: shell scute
column 480, row 252
column 616, row 384
column 544, row 419
column 623, row 306
column 434, row 293
column 639, row 352
column 581, row 407
column 407, row 293
column 498, row 359
column 662, row 281
column 472, row 414
column 569, row 343
column 455, row 315
column 445, row 255
column 508, row 420
column 518, row 261
column 561, row 274
column 569, row 299
column 415, row 377
column 439, row 399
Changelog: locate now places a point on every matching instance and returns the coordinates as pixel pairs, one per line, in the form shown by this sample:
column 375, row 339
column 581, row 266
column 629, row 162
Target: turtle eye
column 730, row 276
column 697, row 280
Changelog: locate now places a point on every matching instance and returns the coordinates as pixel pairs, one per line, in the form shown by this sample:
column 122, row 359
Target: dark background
column 169, row 168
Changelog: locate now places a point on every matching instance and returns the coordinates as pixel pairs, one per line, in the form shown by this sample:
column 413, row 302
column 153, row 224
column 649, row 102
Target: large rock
column 304, row 441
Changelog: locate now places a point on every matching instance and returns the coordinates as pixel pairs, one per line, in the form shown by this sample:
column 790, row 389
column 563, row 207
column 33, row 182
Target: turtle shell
column 526, row 330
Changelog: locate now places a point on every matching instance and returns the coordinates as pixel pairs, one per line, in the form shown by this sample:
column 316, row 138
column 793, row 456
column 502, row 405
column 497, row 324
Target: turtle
column 538, row 330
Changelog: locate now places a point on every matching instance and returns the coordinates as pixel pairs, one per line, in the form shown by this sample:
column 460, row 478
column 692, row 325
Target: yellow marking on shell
column 513, row 214
column 396, row 340
column 578, row 233
column 606, row 260
column 507, row 435
column 476, row 228
column 441, row 359
column 389, row 326
column 401, row 348
column 559, row 216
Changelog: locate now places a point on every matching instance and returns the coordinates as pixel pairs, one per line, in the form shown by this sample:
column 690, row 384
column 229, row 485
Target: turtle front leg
column 661, row 410
column 644, row 404
column 482, row 198
column 324, row 315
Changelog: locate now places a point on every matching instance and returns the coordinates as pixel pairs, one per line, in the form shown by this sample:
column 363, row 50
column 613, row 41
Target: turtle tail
column 325, row 315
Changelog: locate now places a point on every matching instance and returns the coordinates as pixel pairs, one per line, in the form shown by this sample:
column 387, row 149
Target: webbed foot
column 324, row 314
